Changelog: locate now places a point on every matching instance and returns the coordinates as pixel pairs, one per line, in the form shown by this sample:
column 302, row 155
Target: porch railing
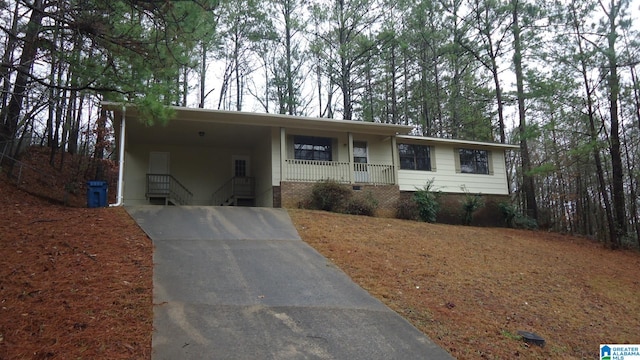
column 235, row 188
column 167, row 187
column 314, row 170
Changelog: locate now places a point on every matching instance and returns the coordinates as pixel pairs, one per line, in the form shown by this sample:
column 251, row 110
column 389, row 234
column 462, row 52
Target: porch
column 296, row 170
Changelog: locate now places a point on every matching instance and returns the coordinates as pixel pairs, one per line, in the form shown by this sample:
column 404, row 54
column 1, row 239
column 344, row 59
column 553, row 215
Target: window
column 473, row 161
column 312, row 148
column 359, row 152
column 414, row 157
column 240, row 168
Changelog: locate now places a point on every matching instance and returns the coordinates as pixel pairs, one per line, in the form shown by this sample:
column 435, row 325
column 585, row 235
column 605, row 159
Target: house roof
column 224, row 127
column 268, row 120
column 433, row 140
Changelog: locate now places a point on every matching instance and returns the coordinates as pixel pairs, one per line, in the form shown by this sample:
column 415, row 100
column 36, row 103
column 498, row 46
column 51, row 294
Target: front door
column 242, row 181
column 240, row 166
column 360, row 160
column 158, row 182
column 159, row 162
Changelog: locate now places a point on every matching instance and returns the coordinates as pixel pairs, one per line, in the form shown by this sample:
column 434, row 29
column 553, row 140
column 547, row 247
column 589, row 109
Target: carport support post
column 395, row 159
column 351, row 169
column 283, row 152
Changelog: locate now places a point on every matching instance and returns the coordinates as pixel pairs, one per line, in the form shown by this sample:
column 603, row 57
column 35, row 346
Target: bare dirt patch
column 471, row 289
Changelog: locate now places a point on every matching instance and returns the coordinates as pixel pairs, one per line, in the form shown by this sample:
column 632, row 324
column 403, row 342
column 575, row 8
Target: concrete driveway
column 238, row 283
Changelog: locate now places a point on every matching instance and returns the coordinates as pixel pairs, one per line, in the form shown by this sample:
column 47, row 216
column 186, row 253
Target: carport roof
column 266, row 120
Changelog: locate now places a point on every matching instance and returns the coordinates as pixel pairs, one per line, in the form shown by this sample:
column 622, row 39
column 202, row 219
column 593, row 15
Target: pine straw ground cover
column 77, row 283
column 471, row 289
column 74, row 283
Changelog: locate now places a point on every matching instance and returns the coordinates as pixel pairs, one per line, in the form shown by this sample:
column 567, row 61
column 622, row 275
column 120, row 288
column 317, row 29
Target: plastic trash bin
column 96, row 194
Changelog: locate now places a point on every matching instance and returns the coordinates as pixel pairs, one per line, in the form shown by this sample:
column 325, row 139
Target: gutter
column 120, row 197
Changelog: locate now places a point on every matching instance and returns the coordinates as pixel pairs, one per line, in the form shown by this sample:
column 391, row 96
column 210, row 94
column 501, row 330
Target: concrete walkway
column 238, row 283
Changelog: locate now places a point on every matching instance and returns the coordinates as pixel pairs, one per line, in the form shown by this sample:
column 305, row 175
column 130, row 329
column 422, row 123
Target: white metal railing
column 315, row 170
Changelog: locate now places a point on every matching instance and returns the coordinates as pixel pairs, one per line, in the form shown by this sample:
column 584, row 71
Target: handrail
column 232, row 189
column 223, row 193
column 316, row 170
column 167, row 186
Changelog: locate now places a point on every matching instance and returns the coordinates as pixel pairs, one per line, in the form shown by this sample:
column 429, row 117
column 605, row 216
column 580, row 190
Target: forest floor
column 77, row 282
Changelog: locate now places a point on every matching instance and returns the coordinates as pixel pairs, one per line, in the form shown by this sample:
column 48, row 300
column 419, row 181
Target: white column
column 283, row 153
column 394, row 159
column 350, row 145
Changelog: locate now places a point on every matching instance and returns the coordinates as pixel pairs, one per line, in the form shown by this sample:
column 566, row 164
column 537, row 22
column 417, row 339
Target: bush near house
column 514, row 219
column 470, row 204
column 330, row 195
column 426, row 200
column 407, row 210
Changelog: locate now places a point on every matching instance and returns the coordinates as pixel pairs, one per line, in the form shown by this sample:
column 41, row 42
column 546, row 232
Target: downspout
column 119, row 198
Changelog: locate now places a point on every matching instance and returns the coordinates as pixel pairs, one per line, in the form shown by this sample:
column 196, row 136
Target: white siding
column 379, row 148
column 446, row 178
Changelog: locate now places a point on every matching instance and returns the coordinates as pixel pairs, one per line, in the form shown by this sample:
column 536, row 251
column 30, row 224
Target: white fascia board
column 276, row 120
column 433, row 140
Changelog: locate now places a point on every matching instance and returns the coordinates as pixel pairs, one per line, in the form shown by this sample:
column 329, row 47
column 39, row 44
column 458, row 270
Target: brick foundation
column 451, row 209
column 294, row 195
column 297, row 194
column 277, row 198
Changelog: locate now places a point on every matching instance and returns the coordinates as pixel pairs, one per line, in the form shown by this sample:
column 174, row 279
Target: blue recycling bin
column 96, row 194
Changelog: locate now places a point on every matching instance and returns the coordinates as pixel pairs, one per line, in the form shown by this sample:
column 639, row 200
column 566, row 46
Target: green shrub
column 514, row 219
column 426, row 200
column 470, row 204
column 330, row 195
column 407, row 210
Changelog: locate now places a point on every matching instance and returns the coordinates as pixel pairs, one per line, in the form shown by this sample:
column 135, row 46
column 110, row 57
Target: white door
column 159, row 162
column 240, row 166
column 158, row 181
column 360, row 160
column 241, row 170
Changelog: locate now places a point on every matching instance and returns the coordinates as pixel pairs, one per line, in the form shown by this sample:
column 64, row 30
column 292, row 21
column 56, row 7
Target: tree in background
column 118, row 50
column 528, row 185
column 245, row 23
column 344, row 47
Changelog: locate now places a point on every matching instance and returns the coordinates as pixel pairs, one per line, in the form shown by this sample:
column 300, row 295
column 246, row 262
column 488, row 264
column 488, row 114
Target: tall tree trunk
column 496, row 82
column 7, row 58
column 11, row 114
column 632, row 189
column 528, row 186
column 291, row 102
column 617, row 171
column 203, row 74
column 74, row 133
column 602, row 185
column 101, row 130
